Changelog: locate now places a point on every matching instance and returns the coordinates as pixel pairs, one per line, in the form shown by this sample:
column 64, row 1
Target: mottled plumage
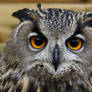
column 49, row 51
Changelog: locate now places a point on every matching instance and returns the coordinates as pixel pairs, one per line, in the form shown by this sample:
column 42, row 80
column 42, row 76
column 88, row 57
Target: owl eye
column 74, row 43
column 38, row 42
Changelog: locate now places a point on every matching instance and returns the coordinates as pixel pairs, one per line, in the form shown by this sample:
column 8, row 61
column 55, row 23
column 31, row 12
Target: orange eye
column 74, row 43
column 37, row 42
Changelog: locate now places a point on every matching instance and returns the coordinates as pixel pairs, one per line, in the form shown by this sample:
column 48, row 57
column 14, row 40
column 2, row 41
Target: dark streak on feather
column 88, row 23
column 32, row 87
column 89, row 15
column 45, row 88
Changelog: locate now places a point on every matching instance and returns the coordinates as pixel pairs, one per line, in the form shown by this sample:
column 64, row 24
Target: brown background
column 47, row 1
column 7, row 7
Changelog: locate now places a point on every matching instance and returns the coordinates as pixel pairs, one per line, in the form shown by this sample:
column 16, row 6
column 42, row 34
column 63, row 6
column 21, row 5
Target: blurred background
column 46, row 1
column 7, row 7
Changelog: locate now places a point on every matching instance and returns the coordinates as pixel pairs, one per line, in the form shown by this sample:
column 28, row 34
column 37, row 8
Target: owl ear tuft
column 89, row 14
column 88, row 19
column 25, row 14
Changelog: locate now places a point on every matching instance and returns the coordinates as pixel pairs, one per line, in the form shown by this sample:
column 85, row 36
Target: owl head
column 50, row 45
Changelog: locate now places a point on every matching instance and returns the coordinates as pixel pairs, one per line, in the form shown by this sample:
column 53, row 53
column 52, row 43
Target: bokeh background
column 7, row 7
column 46, row 1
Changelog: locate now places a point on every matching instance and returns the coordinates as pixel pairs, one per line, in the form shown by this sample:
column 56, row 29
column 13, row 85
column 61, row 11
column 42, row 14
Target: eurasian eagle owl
column 49, row 51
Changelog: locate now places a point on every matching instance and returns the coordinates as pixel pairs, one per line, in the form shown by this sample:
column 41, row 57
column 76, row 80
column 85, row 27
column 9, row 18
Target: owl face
column 52, row 44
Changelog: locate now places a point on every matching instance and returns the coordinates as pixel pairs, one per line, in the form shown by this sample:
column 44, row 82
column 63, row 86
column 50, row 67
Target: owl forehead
column 57, row 19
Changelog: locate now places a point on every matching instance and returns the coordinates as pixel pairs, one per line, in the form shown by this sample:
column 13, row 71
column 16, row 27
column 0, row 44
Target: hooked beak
column 56, row 56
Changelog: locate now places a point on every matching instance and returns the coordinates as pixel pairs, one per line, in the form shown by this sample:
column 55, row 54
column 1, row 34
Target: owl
column 50, row 50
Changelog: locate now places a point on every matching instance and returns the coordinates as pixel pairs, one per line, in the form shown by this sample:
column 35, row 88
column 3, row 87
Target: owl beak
column 56, row 56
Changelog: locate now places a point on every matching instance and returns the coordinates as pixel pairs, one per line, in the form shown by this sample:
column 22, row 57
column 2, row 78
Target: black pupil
column 74, row 42
column 39, row 40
